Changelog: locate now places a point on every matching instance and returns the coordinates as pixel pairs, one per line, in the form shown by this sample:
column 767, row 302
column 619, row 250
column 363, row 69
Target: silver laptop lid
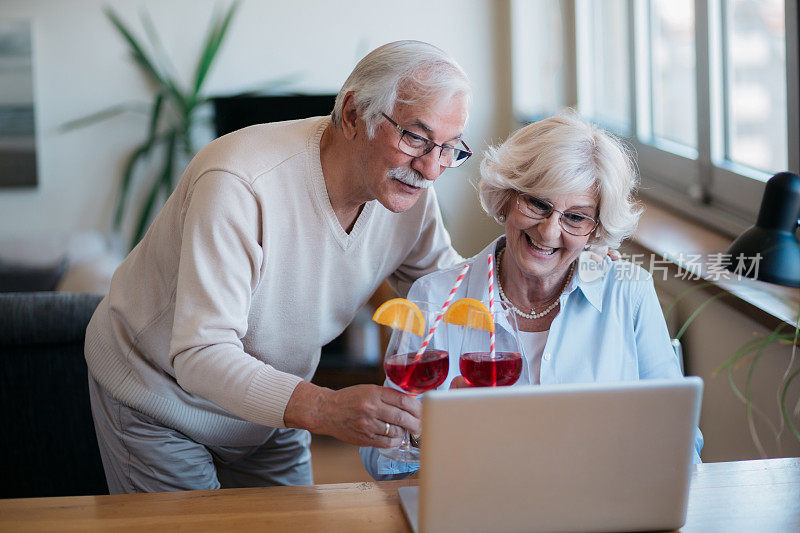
column 575, row 457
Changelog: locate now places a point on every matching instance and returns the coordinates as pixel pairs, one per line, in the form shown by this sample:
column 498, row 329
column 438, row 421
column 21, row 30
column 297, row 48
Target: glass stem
column 405, row 445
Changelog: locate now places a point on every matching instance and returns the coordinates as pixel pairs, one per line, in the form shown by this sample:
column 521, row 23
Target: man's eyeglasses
column 572, row 222
column 417, row 146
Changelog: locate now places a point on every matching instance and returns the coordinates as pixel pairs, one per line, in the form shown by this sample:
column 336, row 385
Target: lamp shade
column 773, row 239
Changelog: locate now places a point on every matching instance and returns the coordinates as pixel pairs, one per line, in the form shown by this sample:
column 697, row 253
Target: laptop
column 578, row 457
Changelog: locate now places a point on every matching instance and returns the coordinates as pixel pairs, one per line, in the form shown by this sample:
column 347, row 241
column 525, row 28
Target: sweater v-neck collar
column 319, row 192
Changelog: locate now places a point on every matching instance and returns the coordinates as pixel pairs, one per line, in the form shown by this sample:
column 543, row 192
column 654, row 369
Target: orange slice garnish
column 399, row 313
column 471, row 313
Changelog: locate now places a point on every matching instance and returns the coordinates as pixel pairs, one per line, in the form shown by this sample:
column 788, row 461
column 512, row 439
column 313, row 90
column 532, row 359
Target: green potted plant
column 174, row 114
column 783, row 340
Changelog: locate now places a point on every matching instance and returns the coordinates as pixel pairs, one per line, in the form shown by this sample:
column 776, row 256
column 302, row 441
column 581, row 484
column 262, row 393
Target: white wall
column 81, row 66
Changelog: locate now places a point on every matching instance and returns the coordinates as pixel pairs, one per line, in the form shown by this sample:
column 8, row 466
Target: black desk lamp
column 773, row 236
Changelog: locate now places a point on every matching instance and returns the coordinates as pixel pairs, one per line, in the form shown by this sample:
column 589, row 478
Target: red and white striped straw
column 491, row 303
column 446, row 304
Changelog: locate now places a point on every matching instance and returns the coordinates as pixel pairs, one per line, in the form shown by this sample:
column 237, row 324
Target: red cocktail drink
column 480, row 370
column 418, row 375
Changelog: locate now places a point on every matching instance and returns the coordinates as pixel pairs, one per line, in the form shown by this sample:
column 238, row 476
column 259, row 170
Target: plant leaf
column 216, row 34
column 141, row 58
column 127, row 176
column 141, row 151
column 204, row 60
column 794, row 354
column 786, row 375
column 136, row 50
column 750, row 408
column 697, row 312
column 748, row 347
column 155, row 114
column 147, row 208
column 748, row 391
column 785, row 413
column 742, row 398
column 104, row 114
column 166, row 68
column 273, row 86
column 743, row 350
column 684, row 294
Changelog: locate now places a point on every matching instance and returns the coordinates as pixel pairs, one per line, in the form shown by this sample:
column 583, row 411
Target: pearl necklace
column 532, row 314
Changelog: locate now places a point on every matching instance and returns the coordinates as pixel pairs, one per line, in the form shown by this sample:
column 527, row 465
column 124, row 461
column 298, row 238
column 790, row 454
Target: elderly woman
column 560, row 187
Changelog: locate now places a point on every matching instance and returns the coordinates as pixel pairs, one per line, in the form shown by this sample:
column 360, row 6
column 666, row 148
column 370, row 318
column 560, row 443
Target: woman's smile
column 539, row 249
column 540, row 252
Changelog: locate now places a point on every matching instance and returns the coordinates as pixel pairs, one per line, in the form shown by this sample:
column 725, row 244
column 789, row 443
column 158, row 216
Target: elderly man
column 276, row 235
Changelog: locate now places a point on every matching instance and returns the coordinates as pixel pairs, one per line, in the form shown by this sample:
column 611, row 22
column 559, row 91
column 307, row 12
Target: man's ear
column 350, row 116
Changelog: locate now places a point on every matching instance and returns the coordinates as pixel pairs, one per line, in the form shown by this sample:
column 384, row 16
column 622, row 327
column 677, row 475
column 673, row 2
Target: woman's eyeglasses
column 572, row 222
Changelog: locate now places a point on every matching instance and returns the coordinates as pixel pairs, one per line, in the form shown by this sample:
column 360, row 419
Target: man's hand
column 598, row 253
column 357, row 414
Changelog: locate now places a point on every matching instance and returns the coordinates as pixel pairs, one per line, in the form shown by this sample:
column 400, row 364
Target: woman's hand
column 357, row 415
column 459, row 383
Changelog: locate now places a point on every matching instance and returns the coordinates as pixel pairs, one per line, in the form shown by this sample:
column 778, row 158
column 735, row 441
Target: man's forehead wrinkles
column 423, row 126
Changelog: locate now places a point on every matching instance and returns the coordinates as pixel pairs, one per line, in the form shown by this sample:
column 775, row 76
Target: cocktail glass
column 476, row 362
column 416, row 373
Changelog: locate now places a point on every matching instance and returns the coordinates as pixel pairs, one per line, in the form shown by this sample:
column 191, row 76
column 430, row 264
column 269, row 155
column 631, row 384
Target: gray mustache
column 409, row 177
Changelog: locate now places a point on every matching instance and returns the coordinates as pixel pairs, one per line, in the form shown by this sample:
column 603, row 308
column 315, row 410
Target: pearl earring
column 501, row 218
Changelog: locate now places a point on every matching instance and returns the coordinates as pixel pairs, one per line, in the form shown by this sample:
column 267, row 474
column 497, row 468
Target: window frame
column 720, row 192
column 700, row 184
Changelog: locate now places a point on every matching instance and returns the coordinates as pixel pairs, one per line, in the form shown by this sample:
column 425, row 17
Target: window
column 706, row 91
column 672, row 71
column 603, row 88
column 538, row 57
column 754, row 61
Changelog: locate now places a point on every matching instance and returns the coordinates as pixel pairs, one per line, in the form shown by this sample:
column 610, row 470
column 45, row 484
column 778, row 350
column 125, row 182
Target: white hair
column 559, row 155
column 410, row 72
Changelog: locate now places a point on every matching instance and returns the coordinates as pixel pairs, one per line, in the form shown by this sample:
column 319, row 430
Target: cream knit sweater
column 221, row 310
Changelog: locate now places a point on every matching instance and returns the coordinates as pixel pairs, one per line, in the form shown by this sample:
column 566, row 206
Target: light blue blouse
column 610, row 327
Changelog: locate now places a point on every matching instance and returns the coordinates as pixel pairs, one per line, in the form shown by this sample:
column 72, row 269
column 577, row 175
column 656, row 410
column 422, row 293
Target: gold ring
column 386, row 431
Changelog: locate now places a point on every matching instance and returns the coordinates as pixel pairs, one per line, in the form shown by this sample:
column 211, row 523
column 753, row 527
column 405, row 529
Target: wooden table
column 745, row 496
column 739, row 496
